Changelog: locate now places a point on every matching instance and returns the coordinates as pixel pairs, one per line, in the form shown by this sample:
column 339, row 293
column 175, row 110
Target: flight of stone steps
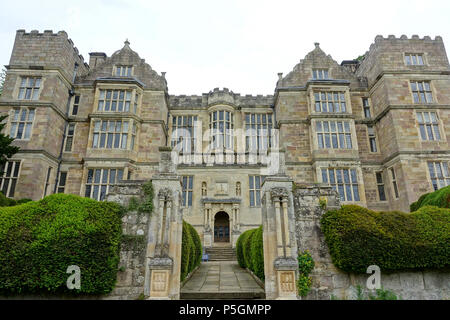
column 221, row 254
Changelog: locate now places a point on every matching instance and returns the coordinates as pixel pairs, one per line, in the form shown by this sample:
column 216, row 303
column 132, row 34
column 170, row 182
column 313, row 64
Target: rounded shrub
column 191, row 250
column 249, row 251
column 240, row 250
column 246, row 249
column 185, row 251
column 257, row 253
column 439, row 198
column 197, row 246
column 358, row 237
column 41, row 239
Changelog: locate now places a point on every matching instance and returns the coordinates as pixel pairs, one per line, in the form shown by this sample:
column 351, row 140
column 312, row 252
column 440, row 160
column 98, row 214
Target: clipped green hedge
column 9, row 202
column 358, row 237
column 239, row 248
column 249, row 251
column 191, row 250
column 440, row 198
column 41, row 239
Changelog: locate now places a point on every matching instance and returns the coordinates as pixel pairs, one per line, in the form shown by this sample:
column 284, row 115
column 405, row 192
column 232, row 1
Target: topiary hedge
column 249, row 251
column 191, row 250
column 358, row 237
column 9, row 202
column 440, row 198
column 41, row 239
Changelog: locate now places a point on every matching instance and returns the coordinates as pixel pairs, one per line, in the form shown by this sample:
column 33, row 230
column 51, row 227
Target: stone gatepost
column 280, row 244
column 162, row 280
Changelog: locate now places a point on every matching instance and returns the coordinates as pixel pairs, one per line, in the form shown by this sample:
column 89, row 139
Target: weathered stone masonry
column 375, row 129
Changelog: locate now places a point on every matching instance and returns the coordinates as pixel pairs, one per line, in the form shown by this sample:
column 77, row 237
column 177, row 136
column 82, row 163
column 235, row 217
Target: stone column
column 162, row 280
column 235, row 232
column 280, row 247
column 207, row 231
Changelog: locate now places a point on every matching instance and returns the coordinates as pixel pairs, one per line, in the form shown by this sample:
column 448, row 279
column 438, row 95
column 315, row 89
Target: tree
column 6, row 149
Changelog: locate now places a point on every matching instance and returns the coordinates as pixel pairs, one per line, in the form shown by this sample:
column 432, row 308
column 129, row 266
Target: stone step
column 221, row 254
column 222, row 259
column 220, row 251
column 222, row 295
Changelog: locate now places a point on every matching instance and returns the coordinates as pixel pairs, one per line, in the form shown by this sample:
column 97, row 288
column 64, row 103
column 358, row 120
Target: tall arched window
column 221, row 126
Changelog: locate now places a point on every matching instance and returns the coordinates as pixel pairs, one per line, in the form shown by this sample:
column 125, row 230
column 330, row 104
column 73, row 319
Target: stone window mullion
column 22, row 123
column 344, row 181
column 10, row 174
column 428, row 125
column 29, row 88
column 334, row 135
column 257, row 131
column 111, row 134
column 421, row 91
column 330, row 102
column 255, row 190
column 99, row 180
column 439, row 174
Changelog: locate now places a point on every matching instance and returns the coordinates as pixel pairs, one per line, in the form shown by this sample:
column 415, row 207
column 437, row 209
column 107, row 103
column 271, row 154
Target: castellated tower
column 375, row 128
column 36, row 95
column 49, row 94
column 394, row 103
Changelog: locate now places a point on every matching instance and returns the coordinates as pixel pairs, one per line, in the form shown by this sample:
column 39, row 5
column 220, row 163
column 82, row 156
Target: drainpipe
column 69, row 98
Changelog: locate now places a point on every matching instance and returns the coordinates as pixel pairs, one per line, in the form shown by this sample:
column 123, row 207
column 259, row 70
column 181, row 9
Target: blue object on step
column 205, row 256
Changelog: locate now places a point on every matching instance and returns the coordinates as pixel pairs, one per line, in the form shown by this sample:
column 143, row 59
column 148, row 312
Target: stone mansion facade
column 376, row 129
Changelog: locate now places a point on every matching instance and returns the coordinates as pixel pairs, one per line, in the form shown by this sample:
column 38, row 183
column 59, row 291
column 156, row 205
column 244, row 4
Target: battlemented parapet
column 219, row 96
column 47, row 50
column 388, row 54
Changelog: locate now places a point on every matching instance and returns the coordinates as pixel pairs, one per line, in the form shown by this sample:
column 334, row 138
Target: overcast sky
column 237, row 44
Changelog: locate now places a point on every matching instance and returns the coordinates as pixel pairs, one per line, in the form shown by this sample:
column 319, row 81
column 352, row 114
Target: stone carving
column 204, row 189
column 287, row 283
column 279, row 192
column 221, row 187
column 165, row 194
column 160, row 263
column 238, row 189
column 285, row 263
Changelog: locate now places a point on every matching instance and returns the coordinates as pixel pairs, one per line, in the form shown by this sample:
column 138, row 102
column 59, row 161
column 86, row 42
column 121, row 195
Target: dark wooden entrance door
column 221, row 227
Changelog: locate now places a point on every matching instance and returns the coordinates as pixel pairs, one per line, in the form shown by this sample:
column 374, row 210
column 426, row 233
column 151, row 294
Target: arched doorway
column 221, row 227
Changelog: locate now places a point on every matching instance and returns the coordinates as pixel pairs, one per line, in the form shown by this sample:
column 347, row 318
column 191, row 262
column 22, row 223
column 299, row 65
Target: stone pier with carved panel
column 162, row 279
column 280, row 244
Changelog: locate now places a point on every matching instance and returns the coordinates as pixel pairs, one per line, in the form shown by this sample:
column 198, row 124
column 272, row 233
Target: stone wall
column 131, row 274
column 330, row 282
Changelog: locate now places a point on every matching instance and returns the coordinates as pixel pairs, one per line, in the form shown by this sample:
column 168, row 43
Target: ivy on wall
column 305, row 266
column 144, row 205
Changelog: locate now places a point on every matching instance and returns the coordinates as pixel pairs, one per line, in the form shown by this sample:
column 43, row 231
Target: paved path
column 225, row 279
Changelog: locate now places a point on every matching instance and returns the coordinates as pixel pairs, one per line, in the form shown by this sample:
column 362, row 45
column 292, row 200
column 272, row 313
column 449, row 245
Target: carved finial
column 280, row 75
column 316, row 44
column 127, row 43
